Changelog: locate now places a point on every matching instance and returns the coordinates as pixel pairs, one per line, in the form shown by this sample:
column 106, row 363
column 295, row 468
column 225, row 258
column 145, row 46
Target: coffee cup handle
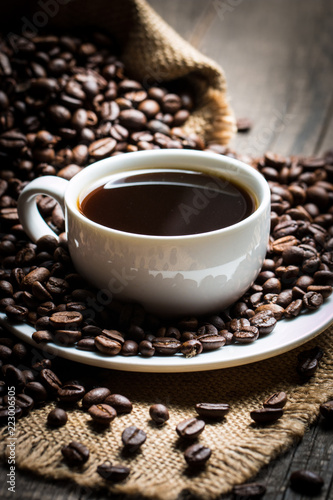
column 33, row 223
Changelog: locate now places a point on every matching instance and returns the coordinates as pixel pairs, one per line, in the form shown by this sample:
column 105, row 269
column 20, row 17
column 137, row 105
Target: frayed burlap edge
column 240, row 448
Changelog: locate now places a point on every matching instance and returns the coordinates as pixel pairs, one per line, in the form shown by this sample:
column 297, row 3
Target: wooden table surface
column 278, row 59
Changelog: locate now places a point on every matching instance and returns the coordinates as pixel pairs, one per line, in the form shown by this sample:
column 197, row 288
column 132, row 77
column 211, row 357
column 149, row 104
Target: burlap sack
column 239, row 447
column 151, row 50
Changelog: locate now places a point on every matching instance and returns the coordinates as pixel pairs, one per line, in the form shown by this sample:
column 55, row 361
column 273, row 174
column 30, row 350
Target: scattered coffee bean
column 113, row 473
column 244, row 124
column 75, row 454
column 212, row 410
column 133, row 438
column 266, row 415
column 190, row 428
column 326, row 410
column 102, row 413
column 249, row 491
column 197, row 455
column 95, row 397
column 50, row 380
column 57, row 417
column 119, row 402
column 306, row 481
column 159, row 413
column 71, row 393
column 276, row 400
column 36, row 391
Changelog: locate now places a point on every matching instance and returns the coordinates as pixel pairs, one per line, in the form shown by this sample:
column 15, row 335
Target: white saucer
column 287, row 335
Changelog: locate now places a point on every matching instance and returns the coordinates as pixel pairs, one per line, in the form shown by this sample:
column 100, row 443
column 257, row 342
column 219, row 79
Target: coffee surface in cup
column 167, row 202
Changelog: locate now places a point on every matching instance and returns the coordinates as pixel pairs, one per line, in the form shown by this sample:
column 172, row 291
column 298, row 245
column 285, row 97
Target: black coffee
column 167, row 202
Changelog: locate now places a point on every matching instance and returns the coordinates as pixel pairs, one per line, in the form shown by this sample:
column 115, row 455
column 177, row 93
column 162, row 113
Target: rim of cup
column 262, row 195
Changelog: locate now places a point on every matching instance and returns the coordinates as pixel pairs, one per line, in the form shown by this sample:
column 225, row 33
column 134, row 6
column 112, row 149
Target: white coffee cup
column 168, row 275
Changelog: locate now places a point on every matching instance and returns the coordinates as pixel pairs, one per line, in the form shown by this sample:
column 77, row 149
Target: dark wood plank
column 279, row 67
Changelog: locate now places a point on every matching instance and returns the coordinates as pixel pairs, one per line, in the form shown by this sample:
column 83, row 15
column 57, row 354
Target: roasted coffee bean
column 197, row 455
column 42, row 336
column 229, row 336
column 57, row 417
column 293, row 309
column 71, row 393
column 50, row 380
column 238, row 324
column 247, row 334
column 312, row 300
column 169, row 332
column 5, row 353
column 66, row 337
column 266, row 415
column 16, row 313
column 166, row 346
column 24, row 402
column 107, row 346
column 326, row 409
column 14, row 377
column 95, row 396
column 119, row 402
column 102, row 148
column 249, row 491
column 307, row 367
column 75, row 454
column 113, row 473
column 129, row 348
column 12, row 140
column 102, row 413
column 65, row 320
column 277, row 310
column 264, row 321
column 87, row 344
column 191, row 348
column 113, row 335
column 133, row 438
column 159, row 413
column 29, row 375
column 40, row 274
column 276, row 400
column 306, row 481
column 190, row 428
column 36, row 391
column 40, row 365
column 132, row 119
column 212, row 410
column 211, row 342
column 57, row 286
column 146, row 349
column 207, row 329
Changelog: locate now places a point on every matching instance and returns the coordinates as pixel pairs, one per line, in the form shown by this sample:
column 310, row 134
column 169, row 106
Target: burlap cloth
column 240, row 448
